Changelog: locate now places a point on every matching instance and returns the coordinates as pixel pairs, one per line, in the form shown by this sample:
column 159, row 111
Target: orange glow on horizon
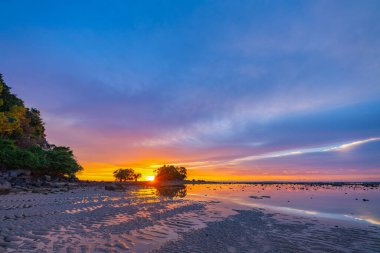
column 103, row 172
column 149, row 178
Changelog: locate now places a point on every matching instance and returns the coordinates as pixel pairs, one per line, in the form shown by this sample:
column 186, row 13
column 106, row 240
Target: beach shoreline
column 142, row 217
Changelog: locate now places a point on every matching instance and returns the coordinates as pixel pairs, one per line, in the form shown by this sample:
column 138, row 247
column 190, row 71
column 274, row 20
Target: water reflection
column 354, row 202
column 177, row 191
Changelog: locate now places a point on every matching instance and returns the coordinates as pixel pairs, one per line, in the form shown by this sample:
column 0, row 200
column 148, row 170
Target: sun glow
column 150, row 178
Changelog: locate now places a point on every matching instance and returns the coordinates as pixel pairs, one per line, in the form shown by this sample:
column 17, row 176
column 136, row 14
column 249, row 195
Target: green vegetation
column 18, row 123
column 126, row 174
column 23, row 144
column 171, row 172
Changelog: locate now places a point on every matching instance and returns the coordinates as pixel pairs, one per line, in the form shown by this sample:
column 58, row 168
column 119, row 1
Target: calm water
column 326, row 201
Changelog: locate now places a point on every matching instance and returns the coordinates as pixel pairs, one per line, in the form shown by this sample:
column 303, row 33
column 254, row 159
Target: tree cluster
column 171, row 172
column 126, row 175
column 22, row 140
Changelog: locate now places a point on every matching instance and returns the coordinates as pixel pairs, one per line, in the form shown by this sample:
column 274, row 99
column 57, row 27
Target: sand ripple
column 91, row 220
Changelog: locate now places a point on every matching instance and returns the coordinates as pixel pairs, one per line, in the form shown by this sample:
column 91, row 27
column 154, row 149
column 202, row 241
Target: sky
column 232, row 90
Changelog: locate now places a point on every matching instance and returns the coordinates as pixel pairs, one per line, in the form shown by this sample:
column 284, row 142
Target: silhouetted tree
column 136, row 176
column 124, row 174
column 171, row 172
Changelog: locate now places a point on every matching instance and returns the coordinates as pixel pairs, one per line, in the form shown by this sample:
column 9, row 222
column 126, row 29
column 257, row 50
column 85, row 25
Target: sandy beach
column 192, row 218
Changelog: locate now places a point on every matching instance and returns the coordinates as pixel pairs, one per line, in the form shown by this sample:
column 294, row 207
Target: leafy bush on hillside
column 22, row 140
column 57, row 162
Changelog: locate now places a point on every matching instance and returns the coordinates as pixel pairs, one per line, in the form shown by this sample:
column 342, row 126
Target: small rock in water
column 259, row 197
column 365, row 200
column 254, row 197
column 10, row 238
column 115, row 187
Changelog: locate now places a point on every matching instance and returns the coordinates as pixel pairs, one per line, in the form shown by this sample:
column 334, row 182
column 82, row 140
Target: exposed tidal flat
column 194, row 218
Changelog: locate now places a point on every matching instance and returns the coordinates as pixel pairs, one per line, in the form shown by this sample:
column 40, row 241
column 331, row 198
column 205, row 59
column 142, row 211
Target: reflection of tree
column 178, row 191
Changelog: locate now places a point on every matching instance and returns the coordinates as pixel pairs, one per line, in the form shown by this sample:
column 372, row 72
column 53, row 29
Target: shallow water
column 326, row 201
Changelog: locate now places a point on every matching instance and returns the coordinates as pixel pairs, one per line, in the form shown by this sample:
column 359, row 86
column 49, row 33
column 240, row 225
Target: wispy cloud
column 352, row 144
column 283, row 153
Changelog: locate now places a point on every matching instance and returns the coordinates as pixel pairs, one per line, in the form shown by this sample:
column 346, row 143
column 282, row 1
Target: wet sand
column 193, row 218
column 259, row 231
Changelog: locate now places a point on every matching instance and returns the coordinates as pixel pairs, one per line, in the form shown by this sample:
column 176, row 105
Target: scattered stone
column 19, row 172
column 259, row 197
column 5, row 186
column 115, row 187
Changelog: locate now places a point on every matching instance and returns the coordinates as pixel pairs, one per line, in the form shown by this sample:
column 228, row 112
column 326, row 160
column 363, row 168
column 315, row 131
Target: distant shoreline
column 173, row 183
column 47, row 187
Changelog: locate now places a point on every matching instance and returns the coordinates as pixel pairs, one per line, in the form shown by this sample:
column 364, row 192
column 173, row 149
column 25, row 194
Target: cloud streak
column 283, row 153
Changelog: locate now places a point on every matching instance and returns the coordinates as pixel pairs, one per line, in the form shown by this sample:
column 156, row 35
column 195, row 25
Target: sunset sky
column 233, row 90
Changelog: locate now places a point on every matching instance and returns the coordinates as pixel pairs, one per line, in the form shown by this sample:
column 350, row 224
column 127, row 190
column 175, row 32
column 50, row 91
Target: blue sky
column 141, row 83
